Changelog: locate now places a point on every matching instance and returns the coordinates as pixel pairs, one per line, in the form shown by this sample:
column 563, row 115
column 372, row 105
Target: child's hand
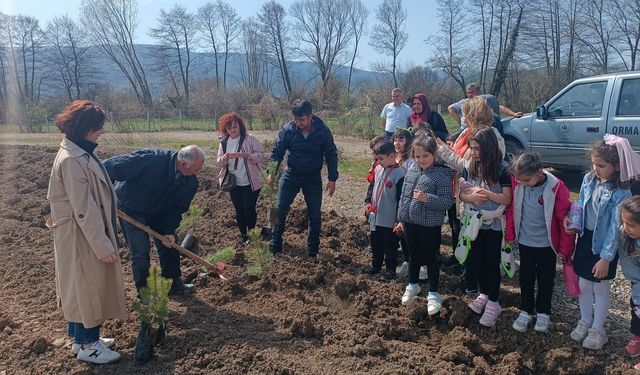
column 398, row 228
column 567, row 222
column 367, row 209
column 420, row 196
column 601, row 269
column 476, row 195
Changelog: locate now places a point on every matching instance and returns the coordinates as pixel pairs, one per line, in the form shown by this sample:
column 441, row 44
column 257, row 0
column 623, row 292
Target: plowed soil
column 304, row 318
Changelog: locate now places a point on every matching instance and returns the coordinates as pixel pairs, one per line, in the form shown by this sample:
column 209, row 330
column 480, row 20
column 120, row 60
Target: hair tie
column 629, row 160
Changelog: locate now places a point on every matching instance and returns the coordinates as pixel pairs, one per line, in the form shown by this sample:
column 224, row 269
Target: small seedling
column 259, row 255
column 221, row 256
column 190, row 218
column 153, row 304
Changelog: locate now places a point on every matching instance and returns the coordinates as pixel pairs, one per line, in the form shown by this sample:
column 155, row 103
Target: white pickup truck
column 564, row 128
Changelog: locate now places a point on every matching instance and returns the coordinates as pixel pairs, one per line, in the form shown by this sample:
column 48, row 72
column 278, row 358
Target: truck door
column 624, row 116
column 576, row 118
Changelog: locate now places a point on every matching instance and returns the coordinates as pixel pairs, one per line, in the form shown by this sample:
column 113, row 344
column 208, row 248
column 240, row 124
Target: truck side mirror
column 541, row 112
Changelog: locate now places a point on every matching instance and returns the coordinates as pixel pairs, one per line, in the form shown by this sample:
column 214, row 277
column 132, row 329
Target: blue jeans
column 388, row 135
column 139, row 246
column 83, row 335
column 290, row 185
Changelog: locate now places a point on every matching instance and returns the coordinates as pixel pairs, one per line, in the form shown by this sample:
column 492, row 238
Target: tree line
column 520, row 50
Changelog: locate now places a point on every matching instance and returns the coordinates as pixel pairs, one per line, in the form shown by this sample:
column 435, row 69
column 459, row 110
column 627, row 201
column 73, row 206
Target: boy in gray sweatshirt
column 381, row 208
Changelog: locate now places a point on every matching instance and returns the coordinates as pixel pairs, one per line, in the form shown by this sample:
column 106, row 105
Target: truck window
column 629, row 103
column 583, row 100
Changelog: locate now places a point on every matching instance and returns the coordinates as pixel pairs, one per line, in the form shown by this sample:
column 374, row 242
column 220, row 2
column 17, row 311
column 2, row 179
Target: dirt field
column 308, row 318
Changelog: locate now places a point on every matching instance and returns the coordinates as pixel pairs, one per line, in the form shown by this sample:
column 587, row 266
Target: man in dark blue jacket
column 310, row 143
column 155, row 187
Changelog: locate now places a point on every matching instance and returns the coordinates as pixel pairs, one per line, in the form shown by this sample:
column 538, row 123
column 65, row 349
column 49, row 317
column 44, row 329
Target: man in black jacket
column 155, row 187
column 310, row 143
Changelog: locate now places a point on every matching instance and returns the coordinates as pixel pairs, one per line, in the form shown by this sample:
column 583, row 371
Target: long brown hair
column 609, row 153
column 488, row 165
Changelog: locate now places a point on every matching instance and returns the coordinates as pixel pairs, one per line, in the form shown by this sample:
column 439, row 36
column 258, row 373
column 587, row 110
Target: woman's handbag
column 229, row 181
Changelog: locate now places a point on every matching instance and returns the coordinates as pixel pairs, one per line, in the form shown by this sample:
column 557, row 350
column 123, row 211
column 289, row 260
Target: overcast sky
column 421, row 21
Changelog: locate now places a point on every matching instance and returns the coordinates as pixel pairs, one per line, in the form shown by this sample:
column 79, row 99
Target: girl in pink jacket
column 544, row 200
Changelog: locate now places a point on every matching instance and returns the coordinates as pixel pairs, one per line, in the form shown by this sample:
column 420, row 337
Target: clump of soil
column 310, row 317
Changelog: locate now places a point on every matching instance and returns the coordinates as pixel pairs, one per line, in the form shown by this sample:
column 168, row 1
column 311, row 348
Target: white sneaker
column 410, row 293
column 98, row 353
column 403, row 270
column 75, row 348
column 542, row 323
column 522, row 322
column 423, row 273
column 434, row 303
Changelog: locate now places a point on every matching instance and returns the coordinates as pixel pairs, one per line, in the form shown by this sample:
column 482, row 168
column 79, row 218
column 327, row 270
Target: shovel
column 175, row 246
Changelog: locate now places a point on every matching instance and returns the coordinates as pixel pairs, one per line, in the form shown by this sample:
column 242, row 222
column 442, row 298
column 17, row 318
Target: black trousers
column 484, row 258
column 424, row 247
column 536, row 264
column 384, row 247
column 244, row 201
column 454, row 224
column 635, row 321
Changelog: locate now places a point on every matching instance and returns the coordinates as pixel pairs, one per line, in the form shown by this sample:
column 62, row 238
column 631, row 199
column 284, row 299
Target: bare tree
column 176, row 33
column 324, row 30
column 388, row 36
column 358, row 17
column 112, row 24
column 449, row 44
column 597, row 35
column 276, row 32
column 508, row 39
column 229, row 21
column 70, row 59
column 256, row 72
column 626, row 14
column 485, row 17
column 208, row 24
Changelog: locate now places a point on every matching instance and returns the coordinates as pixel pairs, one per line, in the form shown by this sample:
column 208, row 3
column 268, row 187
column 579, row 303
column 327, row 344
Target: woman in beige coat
column 89, row 281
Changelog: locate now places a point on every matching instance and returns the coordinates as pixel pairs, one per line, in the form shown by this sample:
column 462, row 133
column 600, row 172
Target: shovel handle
column 175, row 246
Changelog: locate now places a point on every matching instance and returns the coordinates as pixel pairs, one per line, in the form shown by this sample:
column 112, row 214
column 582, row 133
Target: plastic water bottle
column 575, row 214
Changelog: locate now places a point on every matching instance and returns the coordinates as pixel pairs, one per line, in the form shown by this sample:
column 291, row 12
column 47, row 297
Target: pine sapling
column 259, row 255
column 223, row 255
column 153, row 304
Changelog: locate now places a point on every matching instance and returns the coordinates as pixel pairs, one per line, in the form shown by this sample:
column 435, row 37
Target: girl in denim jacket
column 595, row 258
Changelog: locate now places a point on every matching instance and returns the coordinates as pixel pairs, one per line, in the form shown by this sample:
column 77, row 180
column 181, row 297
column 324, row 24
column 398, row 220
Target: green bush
column 260, row 257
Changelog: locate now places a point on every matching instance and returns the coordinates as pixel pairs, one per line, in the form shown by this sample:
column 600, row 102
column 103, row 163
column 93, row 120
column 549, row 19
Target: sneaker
column 370, row 271
column 595, row 339
column 75, row 348
column 434, row 303
column 424, row 275
column 491, row 313
column 179, row 288
column 410, row 293
column 522, row 323
column 633, row 346
column 542, row 323
column 388, row 275
column 403, row 270
column 478, row 304
column 98, row 353
column 580, row 332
